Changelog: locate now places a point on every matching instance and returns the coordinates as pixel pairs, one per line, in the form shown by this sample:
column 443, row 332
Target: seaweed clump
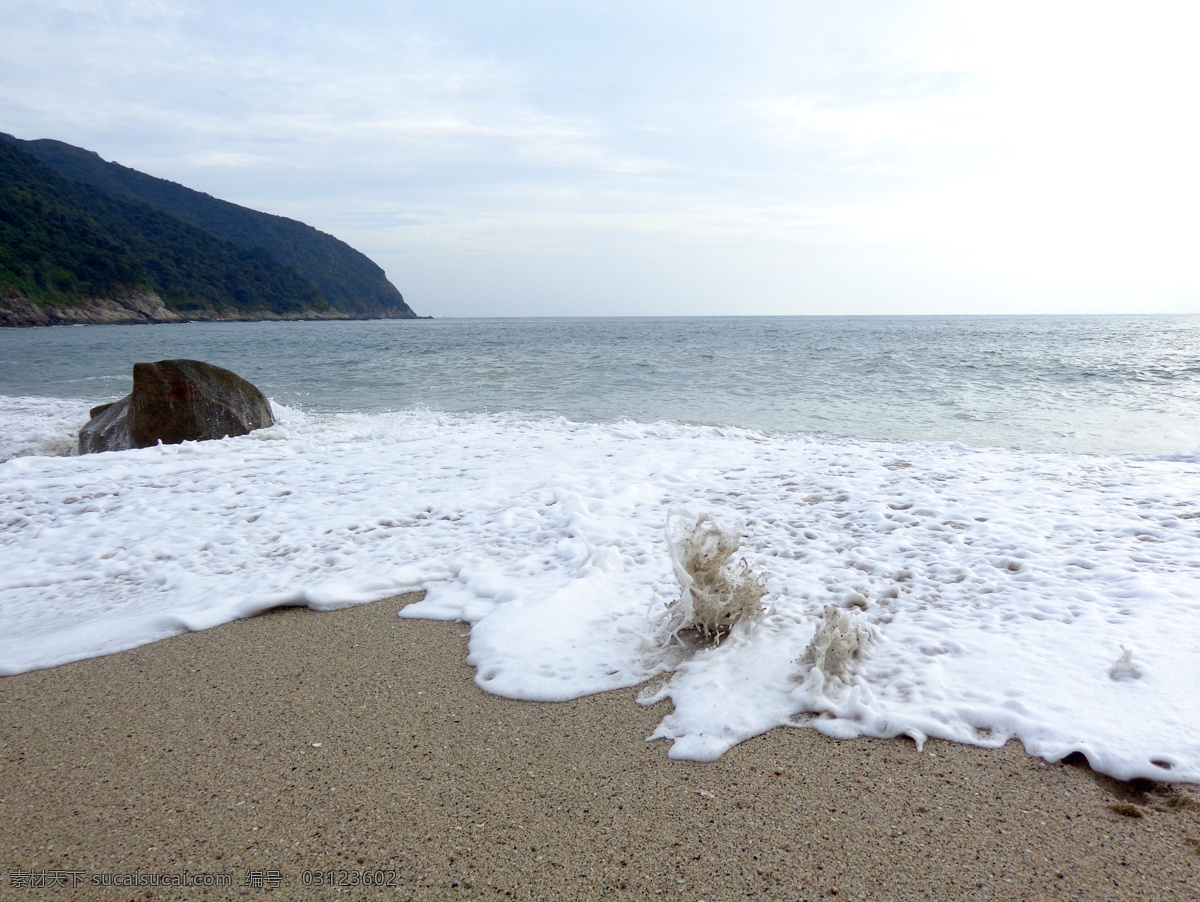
column 715, row 597
column 833, row 655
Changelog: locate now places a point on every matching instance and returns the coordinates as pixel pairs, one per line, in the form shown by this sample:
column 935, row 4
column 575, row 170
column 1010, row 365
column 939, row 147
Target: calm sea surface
column 1123, row 385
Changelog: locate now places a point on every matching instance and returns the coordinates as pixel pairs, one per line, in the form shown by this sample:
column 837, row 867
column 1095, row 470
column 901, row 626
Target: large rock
column 176, row 401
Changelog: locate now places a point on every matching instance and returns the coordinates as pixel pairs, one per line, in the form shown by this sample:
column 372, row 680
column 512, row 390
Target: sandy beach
column 298, row 749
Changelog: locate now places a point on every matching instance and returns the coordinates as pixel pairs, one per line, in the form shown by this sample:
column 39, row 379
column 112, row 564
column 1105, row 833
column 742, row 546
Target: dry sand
column 355, row 741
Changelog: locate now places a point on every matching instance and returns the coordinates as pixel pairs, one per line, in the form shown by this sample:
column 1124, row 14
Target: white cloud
column 226, row 160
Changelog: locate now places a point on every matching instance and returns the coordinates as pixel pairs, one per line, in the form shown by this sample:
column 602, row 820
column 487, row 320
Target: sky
column 660, row 157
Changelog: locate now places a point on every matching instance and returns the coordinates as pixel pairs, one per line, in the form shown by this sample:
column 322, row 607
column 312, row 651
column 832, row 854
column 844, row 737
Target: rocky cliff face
column 141, row 308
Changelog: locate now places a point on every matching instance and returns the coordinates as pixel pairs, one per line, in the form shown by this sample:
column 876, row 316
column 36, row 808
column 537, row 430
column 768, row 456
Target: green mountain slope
column 64, row 242
column 347, row 279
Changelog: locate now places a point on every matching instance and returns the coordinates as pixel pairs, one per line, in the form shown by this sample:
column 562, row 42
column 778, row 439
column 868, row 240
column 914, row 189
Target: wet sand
column 294, row 744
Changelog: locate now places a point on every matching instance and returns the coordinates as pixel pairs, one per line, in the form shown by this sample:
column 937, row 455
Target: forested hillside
column 64, row 242
column 347, row 279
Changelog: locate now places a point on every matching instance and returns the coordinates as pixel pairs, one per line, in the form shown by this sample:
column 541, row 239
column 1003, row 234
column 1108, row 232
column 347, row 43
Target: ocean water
column 1106, row 385
column 1002, row 513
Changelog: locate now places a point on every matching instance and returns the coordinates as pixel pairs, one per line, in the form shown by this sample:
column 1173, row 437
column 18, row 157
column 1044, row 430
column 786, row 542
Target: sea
column 972, row 528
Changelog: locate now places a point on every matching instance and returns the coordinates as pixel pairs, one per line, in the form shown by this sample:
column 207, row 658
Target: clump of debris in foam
column 715, row 596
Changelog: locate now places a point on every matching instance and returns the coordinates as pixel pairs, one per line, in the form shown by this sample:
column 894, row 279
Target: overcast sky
column 530, row 157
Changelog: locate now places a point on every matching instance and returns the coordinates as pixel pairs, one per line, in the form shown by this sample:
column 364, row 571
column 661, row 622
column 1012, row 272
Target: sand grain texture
column 201, row 753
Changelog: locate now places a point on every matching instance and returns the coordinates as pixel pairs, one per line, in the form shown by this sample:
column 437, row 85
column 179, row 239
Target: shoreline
column 353, row 740
column 149, row 309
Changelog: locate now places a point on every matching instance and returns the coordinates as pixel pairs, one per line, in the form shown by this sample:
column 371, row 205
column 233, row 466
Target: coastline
column 355, row 740
column 147, row 309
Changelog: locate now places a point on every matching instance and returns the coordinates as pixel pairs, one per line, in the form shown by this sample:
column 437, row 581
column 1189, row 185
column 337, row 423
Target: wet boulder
column 176, row 401
column 108, row 428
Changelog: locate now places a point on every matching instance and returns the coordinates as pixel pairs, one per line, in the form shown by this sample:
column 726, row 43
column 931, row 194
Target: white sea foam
column 40, row 426
column 977, row 595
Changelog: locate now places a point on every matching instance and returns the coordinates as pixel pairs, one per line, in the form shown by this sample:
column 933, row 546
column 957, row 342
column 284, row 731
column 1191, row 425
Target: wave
column 1047, row 598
